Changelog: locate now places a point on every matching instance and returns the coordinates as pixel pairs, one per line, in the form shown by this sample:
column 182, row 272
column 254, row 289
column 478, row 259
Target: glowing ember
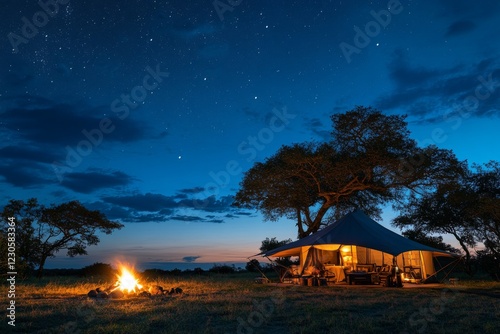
column 127, row 282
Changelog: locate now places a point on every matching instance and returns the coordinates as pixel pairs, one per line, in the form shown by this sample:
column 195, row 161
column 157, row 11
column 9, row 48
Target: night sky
column 151, row 111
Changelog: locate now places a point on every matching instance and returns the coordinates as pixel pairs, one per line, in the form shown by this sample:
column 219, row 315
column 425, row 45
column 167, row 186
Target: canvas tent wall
column 358, row 239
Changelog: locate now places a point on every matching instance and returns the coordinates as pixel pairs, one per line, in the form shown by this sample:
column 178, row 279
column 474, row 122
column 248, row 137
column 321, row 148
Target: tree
column 432, row 241
column 370, row 161
column 467, row 208
column 273, row 243
column 23, row 213
column 43, row 231
column 486, row 210
column 253, row 266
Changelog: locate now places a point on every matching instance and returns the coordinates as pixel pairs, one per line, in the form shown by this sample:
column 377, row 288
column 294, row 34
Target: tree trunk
column 299, row 225
column 468, row 267
column 39, row 271
column 313, row 225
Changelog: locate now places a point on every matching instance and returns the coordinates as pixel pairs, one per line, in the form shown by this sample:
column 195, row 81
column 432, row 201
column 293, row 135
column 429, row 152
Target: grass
column 234, row 304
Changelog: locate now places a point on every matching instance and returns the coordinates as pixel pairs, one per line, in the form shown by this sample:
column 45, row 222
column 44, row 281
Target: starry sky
column 151, row 111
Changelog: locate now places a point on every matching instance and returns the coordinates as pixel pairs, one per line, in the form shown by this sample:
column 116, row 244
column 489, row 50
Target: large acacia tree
column 371, row 160
column 43, row 231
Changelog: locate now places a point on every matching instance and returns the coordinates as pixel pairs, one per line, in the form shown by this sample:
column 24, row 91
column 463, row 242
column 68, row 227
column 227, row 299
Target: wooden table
column 361, row 277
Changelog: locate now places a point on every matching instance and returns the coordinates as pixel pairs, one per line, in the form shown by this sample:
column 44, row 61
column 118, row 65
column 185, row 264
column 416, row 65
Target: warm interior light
column 345, row 249
column 127, row 281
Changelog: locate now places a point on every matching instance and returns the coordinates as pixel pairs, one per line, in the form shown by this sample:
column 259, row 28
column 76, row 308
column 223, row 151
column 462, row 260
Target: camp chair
column 412, row 274
column 290, row 275
column 385, row 275
column 328, row 275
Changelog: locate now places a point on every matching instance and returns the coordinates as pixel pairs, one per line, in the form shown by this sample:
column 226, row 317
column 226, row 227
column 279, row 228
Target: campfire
column 127, row 282
column 127, row 285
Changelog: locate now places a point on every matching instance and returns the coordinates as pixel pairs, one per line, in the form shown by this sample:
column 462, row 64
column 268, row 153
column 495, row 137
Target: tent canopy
column 355, row 228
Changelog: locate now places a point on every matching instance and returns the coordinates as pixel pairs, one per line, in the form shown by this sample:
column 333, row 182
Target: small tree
column 429, row 240
column 273, row 243
column 43, row 231
column 467, row 207
column 253, row 266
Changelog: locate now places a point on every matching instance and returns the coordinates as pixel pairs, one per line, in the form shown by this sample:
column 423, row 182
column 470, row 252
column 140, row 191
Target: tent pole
column 449, row 264
column 258, row 269
column 275, row 264
column 460, row 259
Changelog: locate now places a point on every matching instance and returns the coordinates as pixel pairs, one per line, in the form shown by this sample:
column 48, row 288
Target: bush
column 253, row 266
column 490, row 264
column 222, row 269
column 198, row 271
column 99, row 269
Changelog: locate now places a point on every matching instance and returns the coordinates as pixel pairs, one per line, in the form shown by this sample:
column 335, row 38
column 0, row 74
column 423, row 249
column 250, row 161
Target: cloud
column 25, row 166
column 316, row 126
column 430, row 94
column 27, row 154
column 209, row 204
column 145, row 218
column 190, row 258
column 195, row 31
column 25, row 174
column 460, row 27
column 404, row 75
column 151, row 207
column 194, row 190
column 143, row 202
column 466, row 8
column 48, row 126
column 188, row 218
column 93, row 180
column 66, row 124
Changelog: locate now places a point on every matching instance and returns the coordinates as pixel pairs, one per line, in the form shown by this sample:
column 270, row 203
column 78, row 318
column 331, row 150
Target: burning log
column 92, row 294
column 116, row 294
column 144, row 294
column 128, row 285
column 156, row 290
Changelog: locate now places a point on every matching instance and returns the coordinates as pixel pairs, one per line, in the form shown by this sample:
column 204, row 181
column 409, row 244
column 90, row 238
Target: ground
column 236, row 304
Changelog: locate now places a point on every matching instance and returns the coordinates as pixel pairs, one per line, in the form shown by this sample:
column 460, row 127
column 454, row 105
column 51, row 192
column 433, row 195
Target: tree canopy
column 467, row 207
column 371, row 160
column 43, row 231
column 273, row 243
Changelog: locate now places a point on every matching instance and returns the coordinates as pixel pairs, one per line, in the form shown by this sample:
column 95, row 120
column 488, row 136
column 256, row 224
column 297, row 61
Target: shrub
column 99, row 269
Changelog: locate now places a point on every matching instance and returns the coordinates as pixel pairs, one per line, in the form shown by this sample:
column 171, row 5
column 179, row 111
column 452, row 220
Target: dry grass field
column 235, row 304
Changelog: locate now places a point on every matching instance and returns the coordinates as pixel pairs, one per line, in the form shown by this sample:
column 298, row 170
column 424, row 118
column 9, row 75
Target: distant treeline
column 106, row 270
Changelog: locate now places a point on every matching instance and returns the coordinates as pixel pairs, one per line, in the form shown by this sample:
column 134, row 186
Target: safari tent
column 355, row 241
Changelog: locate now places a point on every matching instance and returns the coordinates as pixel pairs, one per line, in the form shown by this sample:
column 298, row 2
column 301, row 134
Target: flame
column 127, row 281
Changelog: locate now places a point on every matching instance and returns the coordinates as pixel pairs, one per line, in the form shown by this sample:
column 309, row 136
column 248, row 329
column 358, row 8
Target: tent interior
column 357, row 243
column 417, row 265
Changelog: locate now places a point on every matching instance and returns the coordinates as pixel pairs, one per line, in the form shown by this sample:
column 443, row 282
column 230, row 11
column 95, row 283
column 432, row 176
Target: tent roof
column 355, row 228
